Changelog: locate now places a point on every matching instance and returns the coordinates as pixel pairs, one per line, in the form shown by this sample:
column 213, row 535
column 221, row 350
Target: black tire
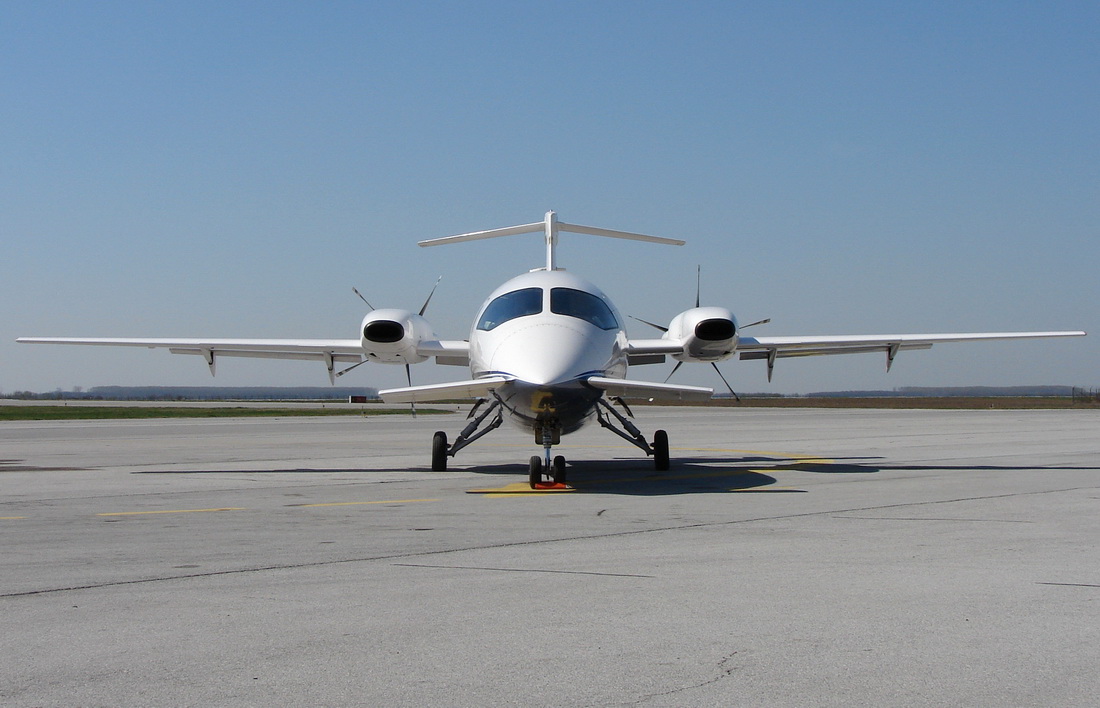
column 559, row 470
column 534, row 471
column 439, row 452
column 660, row 451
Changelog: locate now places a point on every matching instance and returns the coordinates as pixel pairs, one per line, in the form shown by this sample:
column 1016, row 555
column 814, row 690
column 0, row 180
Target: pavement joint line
column 522, row 570
column 933, row 518
column 534, row 542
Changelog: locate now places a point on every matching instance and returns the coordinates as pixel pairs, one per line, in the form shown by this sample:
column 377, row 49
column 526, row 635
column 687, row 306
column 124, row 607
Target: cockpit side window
column 582, row 305
column 518, row 303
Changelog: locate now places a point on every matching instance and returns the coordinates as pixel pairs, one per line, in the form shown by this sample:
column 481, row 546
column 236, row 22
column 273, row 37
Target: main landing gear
column 659, row 449
column 548, row 434
column 441, row 451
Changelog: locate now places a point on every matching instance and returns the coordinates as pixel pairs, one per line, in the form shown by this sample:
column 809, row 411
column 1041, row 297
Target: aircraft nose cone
column 546, row 353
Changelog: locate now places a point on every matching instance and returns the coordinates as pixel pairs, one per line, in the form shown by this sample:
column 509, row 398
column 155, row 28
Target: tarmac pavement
column 788, row 558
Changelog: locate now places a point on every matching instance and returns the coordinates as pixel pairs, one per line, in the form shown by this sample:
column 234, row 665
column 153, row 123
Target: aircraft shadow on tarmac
column 688, row 475
column 636, row 476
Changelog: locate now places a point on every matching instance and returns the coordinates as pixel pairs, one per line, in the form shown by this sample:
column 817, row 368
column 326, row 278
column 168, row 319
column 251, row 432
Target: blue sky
column 233, row 168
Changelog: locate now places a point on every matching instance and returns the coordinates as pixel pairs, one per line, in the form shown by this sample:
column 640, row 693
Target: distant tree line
column 1086, row 395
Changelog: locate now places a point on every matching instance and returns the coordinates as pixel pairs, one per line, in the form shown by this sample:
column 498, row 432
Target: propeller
column 698, row 282
column 698, row 301
column 344, row 371
column 654, row 326
column 425, row 306
column 356, row 291
column 408, row 367
column 727, row 383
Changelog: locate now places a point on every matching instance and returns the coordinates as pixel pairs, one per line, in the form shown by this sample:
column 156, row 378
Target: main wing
column 772, row 348
column 329, row 351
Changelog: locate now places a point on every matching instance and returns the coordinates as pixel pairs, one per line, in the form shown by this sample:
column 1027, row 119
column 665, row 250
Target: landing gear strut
column 548, row 434
column 441, row 451
column 659, row 449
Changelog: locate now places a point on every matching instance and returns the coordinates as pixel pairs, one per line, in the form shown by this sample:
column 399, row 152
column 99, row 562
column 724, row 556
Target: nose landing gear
column 549, row 434
column 556, row 472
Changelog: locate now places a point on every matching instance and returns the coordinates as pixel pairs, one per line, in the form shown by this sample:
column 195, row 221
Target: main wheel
column 439, row 452
column 559, row 470
column 660, row 450
column 534, row 471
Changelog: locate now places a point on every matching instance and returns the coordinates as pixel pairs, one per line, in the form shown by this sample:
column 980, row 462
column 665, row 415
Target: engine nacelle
column 391, row 336
column 707, row 333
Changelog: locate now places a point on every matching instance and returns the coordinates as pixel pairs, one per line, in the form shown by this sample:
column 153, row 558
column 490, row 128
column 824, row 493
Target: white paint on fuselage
column 548, row 354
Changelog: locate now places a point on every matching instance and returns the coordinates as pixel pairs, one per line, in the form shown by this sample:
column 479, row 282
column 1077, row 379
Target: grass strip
column 133, row 412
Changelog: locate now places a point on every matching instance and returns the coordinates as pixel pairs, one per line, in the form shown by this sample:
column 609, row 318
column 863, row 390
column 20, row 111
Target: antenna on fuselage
column 550, row 226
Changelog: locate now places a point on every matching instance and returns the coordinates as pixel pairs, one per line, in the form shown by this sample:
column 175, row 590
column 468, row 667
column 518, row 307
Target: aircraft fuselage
column 548, row 331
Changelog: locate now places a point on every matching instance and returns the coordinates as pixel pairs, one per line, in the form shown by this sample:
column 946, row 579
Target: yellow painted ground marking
column 356, row 503
column 11, row 518
column 169, row 511
column 517, row 489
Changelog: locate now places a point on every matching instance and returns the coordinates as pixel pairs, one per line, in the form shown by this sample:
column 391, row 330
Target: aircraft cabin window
column 518, row 303
column 582, row 305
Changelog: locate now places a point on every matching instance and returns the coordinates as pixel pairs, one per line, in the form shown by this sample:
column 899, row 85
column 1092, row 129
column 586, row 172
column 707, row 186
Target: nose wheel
column 534, row 471
column 556, row 472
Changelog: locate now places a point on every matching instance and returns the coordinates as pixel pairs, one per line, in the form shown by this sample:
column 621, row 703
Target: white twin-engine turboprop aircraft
column 547, row 351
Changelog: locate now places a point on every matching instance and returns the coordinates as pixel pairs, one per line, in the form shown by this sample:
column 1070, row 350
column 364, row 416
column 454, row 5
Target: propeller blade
column 354, row 290
column 654, row 326
column 758, row 322
column 409, row 378
column 674, row 370
column 727, row 383
column 341, row 373
column 425, row 307
column 698, row 282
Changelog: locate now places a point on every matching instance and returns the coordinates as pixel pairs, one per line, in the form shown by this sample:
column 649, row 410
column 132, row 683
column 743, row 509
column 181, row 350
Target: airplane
column 548, row 352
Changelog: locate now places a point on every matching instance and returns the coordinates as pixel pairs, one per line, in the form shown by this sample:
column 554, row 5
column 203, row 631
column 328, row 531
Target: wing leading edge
column 328, row 351
column 772, row 348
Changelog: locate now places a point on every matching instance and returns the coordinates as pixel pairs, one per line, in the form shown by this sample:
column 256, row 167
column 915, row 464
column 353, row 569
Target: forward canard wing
column 647, row 389
column 435, row 393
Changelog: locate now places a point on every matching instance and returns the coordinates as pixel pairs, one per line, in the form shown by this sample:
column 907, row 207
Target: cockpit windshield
column 582, row 305
column 518, row 303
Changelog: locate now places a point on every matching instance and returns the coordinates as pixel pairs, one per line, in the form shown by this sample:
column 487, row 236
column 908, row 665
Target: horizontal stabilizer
column 550, row 227
column 476, row 388
column 648, row 389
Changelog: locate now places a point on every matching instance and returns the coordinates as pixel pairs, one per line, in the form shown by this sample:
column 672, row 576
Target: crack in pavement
column 516, row 544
